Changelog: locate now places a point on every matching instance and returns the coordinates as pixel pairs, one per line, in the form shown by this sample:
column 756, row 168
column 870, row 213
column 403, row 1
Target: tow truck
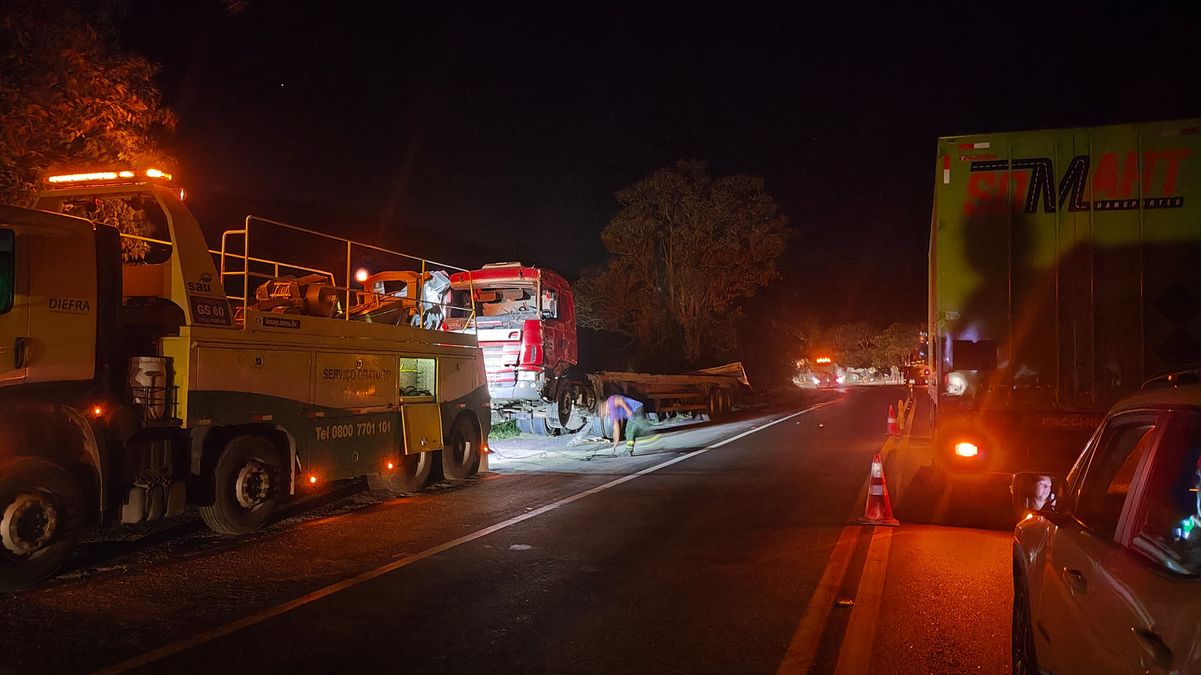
column 525, row 320
column 142, row 371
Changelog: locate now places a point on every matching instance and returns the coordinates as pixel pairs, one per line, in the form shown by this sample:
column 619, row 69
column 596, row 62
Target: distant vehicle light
column 841, row 379
column 966, row 449
column 97, row 411
column 956, row 384
column 312, row 479
column 391, row 465
column 815, row 380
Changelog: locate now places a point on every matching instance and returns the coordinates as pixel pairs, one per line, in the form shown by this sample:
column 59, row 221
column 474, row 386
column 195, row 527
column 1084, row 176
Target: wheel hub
column 29, row 523
column 253, row 486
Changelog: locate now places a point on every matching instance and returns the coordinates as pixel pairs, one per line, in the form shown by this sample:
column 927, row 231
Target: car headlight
column 956, row 384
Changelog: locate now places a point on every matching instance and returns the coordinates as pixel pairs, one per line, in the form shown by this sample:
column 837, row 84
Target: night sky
column 511, row 126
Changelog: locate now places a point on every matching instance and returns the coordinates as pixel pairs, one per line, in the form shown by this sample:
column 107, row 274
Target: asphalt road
column 716, row 551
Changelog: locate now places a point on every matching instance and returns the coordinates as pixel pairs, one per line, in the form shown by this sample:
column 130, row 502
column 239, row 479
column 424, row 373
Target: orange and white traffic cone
column 879, row 509
column 893, row 429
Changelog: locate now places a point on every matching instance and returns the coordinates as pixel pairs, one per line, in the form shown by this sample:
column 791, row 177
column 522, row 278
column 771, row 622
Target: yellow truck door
column 60, row 262
column 14, row 306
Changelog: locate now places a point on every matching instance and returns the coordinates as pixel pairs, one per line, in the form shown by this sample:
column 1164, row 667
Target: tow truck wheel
column 461, row 456
column 41, row 509
column 250, row 482
column 413, row 474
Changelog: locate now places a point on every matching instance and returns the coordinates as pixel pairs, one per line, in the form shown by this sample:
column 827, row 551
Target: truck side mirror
column 1037, row 493
column 8, row 270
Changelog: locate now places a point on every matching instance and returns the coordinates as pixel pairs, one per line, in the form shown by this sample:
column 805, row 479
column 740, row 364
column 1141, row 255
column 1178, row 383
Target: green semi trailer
column 1065, row 270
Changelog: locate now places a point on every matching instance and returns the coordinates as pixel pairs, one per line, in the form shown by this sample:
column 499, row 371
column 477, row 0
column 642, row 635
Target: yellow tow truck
column 142, row 372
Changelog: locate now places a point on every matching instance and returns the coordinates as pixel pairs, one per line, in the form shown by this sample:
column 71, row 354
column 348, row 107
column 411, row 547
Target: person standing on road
column 628, row 415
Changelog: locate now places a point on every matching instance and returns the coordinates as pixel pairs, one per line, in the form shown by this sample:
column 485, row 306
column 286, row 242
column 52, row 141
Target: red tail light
column 531, row 343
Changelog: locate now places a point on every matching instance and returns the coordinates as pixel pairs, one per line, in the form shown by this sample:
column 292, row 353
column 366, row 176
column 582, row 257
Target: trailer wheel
column 41, row 511
column 716, row 406
column 602, row 425
column 250, row 482
column 461, row 456
column 536, row 426
column 413, row 474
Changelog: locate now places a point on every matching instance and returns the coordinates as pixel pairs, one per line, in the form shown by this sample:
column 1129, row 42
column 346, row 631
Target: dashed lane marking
column 264, row 615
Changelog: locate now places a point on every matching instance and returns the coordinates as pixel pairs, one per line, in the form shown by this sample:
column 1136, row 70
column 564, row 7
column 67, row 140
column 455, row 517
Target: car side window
column 1167, row 529
column 1111, row 471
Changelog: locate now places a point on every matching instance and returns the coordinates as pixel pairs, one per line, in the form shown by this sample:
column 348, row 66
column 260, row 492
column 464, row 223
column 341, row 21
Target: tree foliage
column 860, row 345
column 685, row 249
column 70, row 96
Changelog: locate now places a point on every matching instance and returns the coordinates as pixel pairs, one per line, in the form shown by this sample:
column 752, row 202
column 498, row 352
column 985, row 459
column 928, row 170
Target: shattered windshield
column 506, row 304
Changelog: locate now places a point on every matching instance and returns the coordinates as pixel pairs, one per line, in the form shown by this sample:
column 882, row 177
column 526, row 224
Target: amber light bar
column 98, row 176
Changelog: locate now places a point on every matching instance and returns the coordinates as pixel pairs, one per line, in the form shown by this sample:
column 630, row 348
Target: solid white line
column 272, row 612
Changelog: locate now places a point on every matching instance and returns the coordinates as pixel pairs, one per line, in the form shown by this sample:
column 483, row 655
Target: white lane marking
column 855, row 655
column 802, row 650
column 185, row 644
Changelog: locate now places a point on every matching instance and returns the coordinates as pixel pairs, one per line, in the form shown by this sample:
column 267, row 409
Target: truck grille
column 500, row 361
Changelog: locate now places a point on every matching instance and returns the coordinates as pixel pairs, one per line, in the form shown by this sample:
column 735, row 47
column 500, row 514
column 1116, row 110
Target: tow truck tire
column 461, row 456
column 41, row 512
column 413, row 473
column 250, row 482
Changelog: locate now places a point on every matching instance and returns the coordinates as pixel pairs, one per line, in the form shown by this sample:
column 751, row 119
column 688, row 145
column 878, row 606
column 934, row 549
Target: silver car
column 1107, row 561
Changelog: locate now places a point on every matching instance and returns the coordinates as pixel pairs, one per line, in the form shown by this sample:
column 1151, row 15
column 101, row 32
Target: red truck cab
column 525, row 320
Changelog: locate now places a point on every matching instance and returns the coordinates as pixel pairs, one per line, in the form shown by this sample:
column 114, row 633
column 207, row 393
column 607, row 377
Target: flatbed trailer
column 526, row 324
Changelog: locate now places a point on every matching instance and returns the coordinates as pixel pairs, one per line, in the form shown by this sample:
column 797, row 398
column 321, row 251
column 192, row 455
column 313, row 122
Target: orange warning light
column 823, row 359
column 391, row 465
column 312, row 479
column 966, row 449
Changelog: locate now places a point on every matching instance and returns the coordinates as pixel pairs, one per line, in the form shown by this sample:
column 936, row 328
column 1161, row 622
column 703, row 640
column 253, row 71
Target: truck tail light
column 532, row 352
column 966, row 449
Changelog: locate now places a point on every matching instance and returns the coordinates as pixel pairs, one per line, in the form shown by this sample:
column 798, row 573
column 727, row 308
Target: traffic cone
column 893, row 429
column 878, row 510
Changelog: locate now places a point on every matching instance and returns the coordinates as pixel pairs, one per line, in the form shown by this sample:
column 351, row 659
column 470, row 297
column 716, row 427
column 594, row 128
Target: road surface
column 727, row 548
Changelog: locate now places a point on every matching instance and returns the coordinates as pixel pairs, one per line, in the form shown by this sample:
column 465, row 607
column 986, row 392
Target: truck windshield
column 8, row 269
column 505, row 304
